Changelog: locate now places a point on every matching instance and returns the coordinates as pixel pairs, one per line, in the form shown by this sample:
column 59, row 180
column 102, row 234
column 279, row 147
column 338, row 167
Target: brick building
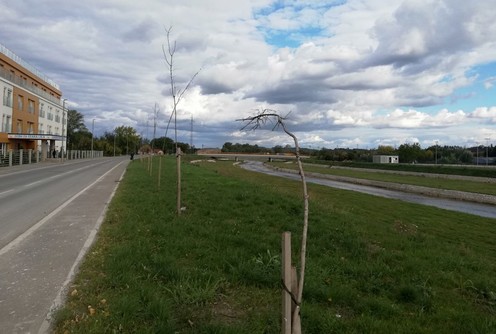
column 32, row 112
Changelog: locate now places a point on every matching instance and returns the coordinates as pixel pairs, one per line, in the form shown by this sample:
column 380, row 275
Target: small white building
column 385, row 159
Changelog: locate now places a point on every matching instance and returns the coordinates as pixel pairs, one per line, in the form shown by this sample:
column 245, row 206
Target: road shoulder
column 37, row 269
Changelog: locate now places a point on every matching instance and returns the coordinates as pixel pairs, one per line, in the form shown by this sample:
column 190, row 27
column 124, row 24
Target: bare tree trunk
column 177, row 95
column 296, row 325
column 255, row 122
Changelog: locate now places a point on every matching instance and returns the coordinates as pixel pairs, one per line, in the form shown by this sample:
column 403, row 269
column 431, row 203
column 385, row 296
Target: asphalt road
column 483, row 210
column 49, row 215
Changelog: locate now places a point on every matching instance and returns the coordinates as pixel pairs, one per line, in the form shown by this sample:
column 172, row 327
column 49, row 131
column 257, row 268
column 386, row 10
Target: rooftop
column 27, row 66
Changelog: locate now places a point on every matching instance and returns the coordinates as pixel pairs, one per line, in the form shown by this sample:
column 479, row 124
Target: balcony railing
column 17, row 80
column 27, row 66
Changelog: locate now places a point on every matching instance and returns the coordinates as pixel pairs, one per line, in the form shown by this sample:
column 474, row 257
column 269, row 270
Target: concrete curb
column 432, row 192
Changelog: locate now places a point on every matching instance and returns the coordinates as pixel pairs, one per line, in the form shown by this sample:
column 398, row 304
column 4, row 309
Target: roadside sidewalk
column 36, row 269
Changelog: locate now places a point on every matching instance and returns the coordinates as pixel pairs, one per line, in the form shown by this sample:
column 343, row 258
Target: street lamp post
column 64, row 137
column 487, row 150
column 477, row 160
column 92, row 135
column 436, row 152
column 115, row 135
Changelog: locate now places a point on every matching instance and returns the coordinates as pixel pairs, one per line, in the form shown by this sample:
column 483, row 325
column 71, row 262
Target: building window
column 7, row 97
column 50, row 114
column 42, row 110
column 31, row 106
column 7, row 124
column 20, row 102
column 30, row 127
column 40, row 128
column 19, row 126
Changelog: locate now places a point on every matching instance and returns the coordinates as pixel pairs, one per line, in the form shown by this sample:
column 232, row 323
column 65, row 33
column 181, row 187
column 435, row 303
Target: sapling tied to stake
column 263, row 117
column 177, row 94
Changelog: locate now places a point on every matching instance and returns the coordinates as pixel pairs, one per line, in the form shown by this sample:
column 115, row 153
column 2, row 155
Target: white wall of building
column 6, row 91
column 385, row 159
column 52, row 119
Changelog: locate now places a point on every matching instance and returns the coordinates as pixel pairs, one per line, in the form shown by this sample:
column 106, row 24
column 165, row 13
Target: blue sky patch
column 292, row 38
column 481, row 93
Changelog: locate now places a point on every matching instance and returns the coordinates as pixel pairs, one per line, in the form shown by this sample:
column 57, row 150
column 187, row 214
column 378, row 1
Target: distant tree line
column 243, row 148
column 122, row 140
column 407, row 153
column 125, row 139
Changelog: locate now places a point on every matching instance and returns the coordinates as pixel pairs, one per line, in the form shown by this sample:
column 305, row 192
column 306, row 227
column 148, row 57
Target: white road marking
column 36, row 226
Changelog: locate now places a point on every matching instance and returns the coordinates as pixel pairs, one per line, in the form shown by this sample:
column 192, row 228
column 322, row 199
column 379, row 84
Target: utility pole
column 64, row 128
column 191, row 134
column 92, row 135
column 487, row 150
column 436, row 152
column 477, row 161
column 156, row 110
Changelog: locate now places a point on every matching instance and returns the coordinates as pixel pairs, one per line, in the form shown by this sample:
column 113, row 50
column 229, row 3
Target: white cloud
column 363, row 72
column 485, row 113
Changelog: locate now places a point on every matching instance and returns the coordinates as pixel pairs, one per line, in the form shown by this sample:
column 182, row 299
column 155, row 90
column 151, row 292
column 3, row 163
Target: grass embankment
column 465, row 170
column 374, row 265
column 432, row 182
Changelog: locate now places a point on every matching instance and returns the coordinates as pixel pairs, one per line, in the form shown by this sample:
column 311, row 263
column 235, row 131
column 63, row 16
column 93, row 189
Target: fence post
column 30, row 152
column 10, row 158
column 21, row 153
column 287, row 283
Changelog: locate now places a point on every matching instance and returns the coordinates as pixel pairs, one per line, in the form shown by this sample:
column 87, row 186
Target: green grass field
column 374, row 265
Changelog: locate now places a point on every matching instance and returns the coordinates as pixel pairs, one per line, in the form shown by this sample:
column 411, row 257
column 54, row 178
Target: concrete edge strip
column 426, row 191
column 59, row 299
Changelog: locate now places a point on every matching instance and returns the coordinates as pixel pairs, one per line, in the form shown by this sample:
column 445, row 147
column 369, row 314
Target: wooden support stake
column 151, row 165
column 178, row 168
column 159, row 169
column 287, row 281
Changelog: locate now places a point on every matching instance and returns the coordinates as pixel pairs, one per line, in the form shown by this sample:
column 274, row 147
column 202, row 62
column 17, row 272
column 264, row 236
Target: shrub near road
column 374, row 265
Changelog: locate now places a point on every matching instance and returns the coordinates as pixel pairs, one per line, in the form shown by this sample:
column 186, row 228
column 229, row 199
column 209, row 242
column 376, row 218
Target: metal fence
column 23, row 157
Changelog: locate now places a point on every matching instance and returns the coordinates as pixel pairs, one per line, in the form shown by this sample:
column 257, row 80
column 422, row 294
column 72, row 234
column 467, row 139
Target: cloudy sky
column 350, row 73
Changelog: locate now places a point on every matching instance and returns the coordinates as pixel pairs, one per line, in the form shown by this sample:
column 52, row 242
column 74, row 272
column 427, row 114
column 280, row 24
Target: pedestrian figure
column 132, row 156
column 54, row 153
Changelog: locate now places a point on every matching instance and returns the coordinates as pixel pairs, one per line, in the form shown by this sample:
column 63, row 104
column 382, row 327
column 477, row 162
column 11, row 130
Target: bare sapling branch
column 177, row 94
column 253, row 123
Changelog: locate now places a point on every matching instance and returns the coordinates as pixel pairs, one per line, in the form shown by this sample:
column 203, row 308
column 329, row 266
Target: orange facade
column 24, row 77
column 30, row 89
column 24, row 117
